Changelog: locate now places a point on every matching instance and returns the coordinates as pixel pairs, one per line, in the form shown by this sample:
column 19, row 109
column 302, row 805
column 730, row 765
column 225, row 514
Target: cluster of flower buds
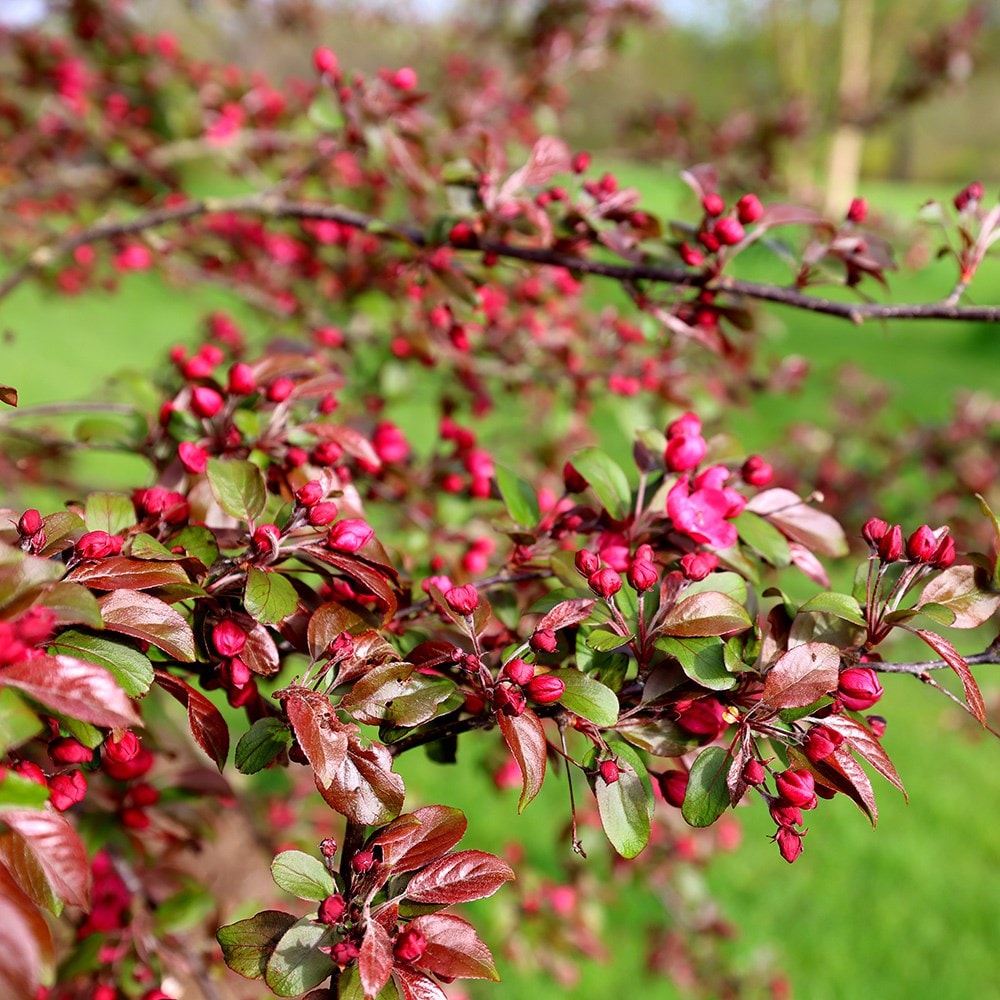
column 519, row 683
column 925, row 546
column 796, row 791
column 31, row 529
column 20, row 638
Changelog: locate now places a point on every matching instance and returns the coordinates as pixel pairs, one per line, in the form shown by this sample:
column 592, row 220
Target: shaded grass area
column 906, row 911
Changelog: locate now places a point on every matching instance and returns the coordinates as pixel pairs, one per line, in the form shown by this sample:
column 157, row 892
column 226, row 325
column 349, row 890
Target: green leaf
column 18, row 792
column 588, row 698
column 198, row 541
column 840, row 605
column 260, row 744
column 184, row 910
column 73, row 604
column 764, row 538
column 603, row 640
column 297, row 964
column 147, row 547
column 269, row 596
column 702, row 659
column 110, row 512
column 519, row 496
column 606, row 479
column 238, row 486
column 248, row 944
column 626, row 805
column 302, row 875
column 995, row 581
column 731, row 584
column 18, row 722
column 130, row 668
column 707, row 796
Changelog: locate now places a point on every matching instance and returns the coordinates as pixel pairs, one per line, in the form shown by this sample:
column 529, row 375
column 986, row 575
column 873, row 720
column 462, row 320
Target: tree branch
column 919, row 667
column 272, row 207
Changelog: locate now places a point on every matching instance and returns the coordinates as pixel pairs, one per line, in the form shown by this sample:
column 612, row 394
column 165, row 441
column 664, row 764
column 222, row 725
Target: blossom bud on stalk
column 331, row 909
column 749, row 209
column 322, row 514
column 673, row 785
column 363, row 861
column 713, row 204
column 698, row 565
column 785, row 813
column 98, row 545
column 789, row 843
column 573, row 482
column 684, row 452
column 859, row 688
column 753, row 772
column 509, row 700
column 922, row 544
column 586, row 562
column 686, row 425
column 729, row 231
column 242, row 380
column 874, row 531
column 462, row 600
column 605, row 583
column 30, row 523
column 890, row 545
column 410, row 945
column 545, row 689
column 821, row 742
column 349, row 535
column 193, row 458
column 205, row 402
column 797, row 787
column 609, row 771
column 642, row 575
column 310, row 493
column 122, row 750
column 857, row 212
column 944, row 554
column 756, row 472
column 66, row 750
column 543, row 640
column 519, row 671
column 228, row 638
column 65, row 790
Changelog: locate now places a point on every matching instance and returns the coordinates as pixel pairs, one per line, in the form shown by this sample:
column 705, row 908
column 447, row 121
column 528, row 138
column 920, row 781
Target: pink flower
column 701, row 515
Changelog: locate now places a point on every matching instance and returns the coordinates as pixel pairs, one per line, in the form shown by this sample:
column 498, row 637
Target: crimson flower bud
column 65, row 790
column 971, row 194
column 193, row 458
column 509, row 700
column 31, row 771
column 363, row 861
column 122, row 750
column 713, row 204
column 877, row 725
column 310, row 493
column 280, row 389
column 573, row 482
column 874, row 530
column 35, row 625
column 673, row 786
column 691, row 256
column 586, row 562
column 344, row 952
column 242, row 380
column 697, row 565
column 266, row 538
column 756, row 471
column 98, row 545
column 749, row 209
column 328, row 847
column 349, row 535
column 797, row 787
column 789, row 843
column 228, row 638
column 922, row 544
column 729, row 231
column 462, row 600
column 543, row 640
column 519, row 671
column 325, row 61
column 785, row 813
column 821, row 742
column 702, row 717
column 410, row 945
column 609, row 771
column 545, row 689
column 753, row 772
column 404, row 78
column 66, row 750
column 30, row 523
column 642, row 575
column 890, row 546
column 205, row 402
column 859, row 688
column 322, row 514
column 709, row 241
column 236, row 673
column 127, row 770
column 686, row 425
column 944, row 554
column 857, row 211
column 580, row 163
column 331, row 909
column 605, row 583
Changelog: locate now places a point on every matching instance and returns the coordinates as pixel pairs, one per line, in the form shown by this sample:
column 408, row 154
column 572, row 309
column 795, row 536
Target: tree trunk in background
column 846, row 146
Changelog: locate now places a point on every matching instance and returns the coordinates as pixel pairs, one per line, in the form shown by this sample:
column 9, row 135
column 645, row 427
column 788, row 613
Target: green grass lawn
column 906, row 911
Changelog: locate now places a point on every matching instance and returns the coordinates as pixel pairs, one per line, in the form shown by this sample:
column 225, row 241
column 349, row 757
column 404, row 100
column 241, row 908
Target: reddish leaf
column 549, row 156
column 951, row 656
column 842, row 772
column 24, row 867
column 788, row 512
column 705, row 614
column 862, row 741
column 802, row 675
column 58, row 850
column 370, row 650
column 459, row 878
column 8, row 395
column 789, row 215
column 370, row 578
column 396, row 693
column 415, row 986
column 351, row 440
column 327, row 622
column 75, row 688
column 260, row 653
column 808, row 564
column 566, row 613
column 122, row 572
column 525, row 738
column 956, row 589
column 25, row 942
column 145, row 617
column 414, row 840
column 322, row 737
column 208, row 727
column 453, row 948
column 376, row 959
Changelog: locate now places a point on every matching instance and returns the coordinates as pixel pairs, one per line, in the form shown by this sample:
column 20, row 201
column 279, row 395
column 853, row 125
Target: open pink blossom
column 701, row 515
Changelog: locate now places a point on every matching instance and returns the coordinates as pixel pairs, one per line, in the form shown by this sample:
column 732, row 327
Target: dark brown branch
column 269, row 206
column 919, row 667
column 439, row 730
